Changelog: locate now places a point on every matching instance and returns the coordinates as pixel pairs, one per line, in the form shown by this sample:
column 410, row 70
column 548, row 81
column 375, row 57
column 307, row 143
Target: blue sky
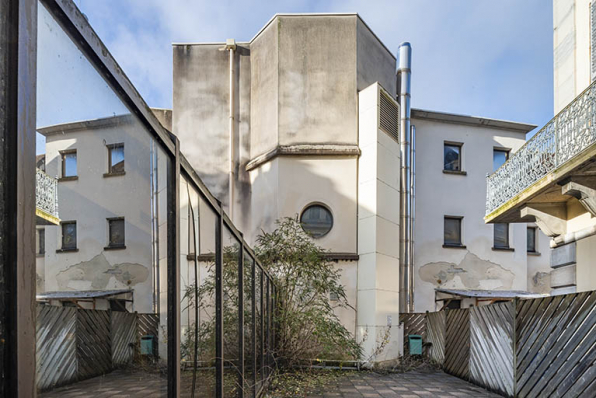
column 477, row 57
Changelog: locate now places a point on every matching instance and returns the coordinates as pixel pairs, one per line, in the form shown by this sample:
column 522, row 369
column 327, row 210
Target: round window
column 316, row 220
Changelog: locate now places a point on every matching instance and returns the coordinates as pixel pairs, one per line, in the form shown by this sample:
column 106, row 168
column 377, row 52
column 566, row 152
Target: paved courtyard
column 120, row 384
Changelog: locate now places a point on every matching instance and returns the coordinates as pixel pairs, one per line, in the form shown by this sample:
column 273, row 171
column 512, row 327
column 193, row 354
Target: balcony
column 555, row 169
column 46, row 199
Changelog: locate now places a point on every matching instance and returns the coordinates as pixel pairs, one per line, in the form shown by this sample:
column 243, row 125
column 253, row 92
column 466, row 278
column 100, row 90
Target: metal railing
column 46, row 193
column 565, row 136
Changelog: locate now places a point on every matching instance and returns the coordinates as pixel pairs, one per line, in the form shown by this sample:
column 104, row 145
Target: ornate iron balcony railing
column 46, row 197
column 568, row 134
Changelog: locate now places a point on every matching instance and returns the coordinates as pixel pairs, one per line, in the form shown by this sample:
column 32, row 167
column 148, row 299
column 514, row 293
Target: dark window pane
column 531, row 235
column 452, row 233
column 41, row 241
column 70, row 164
column 452, row 158
column 116, row 232
column 69, row 235
column 316, row 220
column 501, row 235
column 117, row 159
column 499, row 157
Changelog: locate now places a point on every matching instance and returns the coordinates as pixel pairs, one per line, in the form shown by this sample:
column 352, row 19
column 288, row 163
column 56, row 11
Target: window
column 452, row 231
column 40, row 241
column 501, row 236
column 500, row 156
column 333, row 296
column 116, row 232
column 452, row 156
column 116, row 159
column 531, row 235
column 453, row 304
column 69, row 163
column 316, row 220
column 69, row 235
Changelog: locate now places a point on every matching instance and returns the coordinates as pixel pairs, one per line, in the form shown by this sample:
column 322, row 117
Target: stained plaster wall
column 476, row 266
column 93, row 198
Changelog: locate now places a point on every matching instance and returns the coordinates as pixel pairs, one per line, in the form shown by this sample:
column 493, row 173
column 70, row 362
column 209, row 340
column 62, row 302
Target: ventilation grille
column 388, row 115
column 593, row 38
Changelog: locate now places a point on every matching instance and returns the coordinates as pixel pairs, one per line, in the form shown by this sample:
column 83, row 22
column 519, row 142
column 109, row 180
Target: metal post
column 173, row 272
column 18, row 56
column 268, row 344
column 241, row 320
column 254, row 329
column 219, row 337
column 262, row 326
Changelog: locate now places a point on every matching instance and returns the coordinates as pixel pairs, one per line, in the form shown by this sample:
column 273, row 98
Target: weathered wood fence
column 75, row 344
column 543, row 347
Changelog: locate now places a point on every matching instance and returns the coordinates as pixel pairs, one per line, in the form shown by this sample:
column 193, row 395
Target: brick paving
column 120, row 384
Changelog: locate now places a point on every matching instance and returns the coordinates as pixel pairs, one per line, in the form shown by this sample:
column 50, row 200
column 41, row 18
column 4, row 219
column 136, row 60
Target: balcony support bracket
column 550, row 218
column 583, row 193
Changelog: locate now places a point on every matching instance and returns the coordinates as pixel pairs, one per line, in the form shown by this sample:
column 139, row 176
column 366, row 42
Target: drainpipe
column 404, row 54
column 231, row 48
column 412, row 215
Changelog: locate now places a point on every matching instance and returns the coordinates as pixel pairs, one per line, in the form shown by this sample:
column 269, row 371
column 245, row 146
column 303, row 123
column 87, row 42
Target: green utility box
column 415, row 344
column 147, row 345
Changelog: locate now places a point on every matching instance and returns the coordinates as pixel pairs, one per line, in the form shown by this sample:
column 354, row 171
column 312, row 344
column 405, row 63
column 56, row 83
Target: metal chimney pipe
column 412, row 215
column 404, row 57
column 231, row 48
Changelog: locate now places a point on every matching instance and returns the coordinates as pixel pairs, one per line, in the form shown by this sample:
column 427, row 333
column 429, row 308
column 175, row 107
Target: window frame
column 40, row 242
column 460, row 163
column 323, row 205
column 508, row 234
column 461, row 238
column 62, row 246
column 110, row 172
column 111, row 246
column 500, row 149
column 63, row 154
column 535, row 252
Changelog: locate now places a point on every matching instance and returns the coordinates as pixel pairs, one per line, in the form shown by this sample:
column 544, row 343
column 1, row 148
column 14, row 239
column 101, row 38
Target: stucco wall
column 437, row 194
column 375, row 62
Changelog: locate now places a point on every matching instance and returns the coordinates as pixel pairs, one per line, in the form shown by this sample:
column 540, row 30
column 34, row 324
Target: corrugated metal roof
column 81, row 294
column 491, row 293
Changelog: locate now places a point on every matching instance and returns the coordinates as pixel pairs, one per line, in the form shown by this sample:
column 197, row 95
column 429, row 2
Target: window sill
column 67, row 250
column 115, row 247
column 121, row 173
column 503, row 249
column 40, row 255
column 534, row 253
column 71, row 178
column 461, row 173
column 454, row 247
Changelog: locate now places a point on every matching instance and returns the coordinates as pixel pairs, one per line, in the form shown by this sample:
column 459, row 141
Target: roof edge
column 472, row 120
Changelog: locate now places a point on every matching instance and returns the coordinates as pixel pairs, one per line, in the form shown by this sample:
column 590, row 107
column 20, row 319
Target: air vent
column 593, row 38
column 388, row 115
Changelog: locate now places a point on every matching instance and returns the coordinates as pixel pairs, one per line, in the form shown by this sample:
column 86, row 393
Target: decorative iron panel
column 435, row 334
column 413, row 324
column 491, row 347
column 56, row 346
column 593, row 38
column 94, row 351
column 556, row 346
column 457, row 343
column 124, row 336
column 568, row 134
column 46, row 193
column 388, row 115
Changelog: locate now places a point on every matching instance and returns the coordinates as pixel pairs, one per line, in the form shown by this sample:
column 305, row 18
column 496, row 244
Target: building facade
column 304, row 121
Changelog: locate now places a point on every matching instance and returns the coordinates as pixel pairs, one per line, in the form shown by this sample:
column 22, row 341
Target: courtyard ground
column 413, row 384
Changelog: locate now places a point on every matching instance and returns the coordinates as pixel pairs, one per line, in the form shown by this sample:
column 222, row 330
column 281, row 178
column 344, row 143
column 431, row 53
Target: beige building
column 305, row 120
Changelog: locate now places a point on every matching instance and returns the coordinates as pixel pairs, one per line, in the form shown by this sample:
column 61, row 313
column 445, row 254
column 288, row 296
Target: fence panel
column 147, row 325
column 491, row 347
column 435, row 334
column 56, row 346
column 124, row 336
column 93, row 343
column 457, row 343
column 413, row 324
column 556, row 346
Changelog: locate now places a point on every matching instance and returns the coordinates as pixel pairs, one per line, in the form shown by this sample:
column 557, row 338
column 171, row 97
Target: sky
column 476, row 57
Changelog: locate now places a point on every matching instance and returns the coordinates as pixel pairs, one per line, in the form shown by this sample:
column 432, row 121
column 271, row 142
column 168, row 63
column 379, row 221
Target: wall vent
column 388, row 115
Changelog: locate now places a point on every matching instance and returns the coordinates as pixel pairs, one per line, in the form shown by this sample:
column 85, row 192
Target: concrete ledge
column 304, row 150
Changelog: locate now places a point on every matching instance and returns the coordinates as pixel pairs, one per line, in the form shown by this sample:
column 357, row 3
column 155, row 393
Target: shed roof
column 81, row 294
column 492, row 294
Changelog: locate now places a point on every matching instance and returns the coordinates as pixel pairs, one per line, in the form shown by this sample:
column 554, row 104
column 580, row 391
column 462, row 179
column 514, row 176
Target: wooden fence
column 75, row 344
column 543, row 347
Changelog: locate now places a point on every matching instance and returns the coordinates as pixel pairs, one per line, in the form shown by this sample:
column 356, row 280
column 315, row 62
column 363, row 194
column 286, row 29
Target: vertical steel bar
column 219, row 337
column 262, row 326
column 268, row 344
column 173, row 272
column 254, row 329
column 18, row 56
column 241, row 320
